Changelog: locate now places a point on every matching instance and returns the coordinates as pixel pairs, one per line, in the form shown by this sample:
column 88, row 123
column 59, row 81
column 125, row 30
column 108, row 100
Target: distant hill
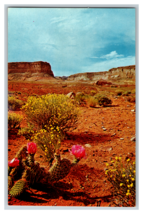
column 126, row 72
column 41, row 71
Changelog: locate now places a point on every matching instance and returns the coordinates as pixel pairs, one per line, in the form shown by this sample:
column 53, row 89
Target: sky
column 72, row 40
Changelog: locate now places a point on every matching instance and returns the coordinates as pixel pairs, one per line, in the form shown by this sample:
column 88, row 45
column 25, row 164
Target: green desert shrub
column 14, row 120
column 14, row 104
column 122, row 177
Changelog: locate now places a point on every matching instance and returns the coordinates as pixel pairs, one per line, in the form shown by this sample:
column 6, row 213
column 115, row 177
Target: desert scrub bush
column 91, row 101
column 103, row 100
column 122, row 177
column 27, row 132
column 14, row 120
column 14, row 104
column 49, row 117
column 93, row 92
column 119, row 92
column 80, row 97
column 126, row 93
column 49, row 141
column 131, row 99
column 51, row 110
column 133, row 91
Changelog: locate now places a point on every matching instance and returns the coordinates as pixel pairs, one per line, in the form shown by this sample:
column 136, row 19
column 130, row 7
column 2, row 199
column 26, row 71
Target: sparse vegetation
column 103, row 100
column 126, row 93
column 93, row 92
column 119, row 92
column 131, row 99
column 14, row 121
column 14, row 104
column 92, row 101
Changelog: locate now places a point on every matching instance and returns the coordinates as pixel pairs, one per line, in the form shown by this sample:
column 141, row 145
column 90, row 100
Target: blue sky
column 72, row 40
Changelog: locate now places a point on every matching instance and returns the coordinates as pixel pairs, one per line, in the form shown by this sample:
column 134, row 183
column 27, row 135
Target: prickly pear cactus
column 18, row 188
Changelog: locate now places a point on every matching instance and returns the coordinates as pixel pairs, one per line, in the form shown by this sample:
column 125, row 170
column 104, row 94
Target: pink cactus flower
column 31, row 147
column 78, row 151
column 14, row 162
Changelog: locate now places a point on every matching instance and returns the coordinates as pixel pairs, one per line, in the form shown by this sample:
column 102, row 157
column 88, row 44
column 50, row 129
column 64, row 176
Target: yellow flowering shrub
column 49, row 117
column 14, row 120
column 51, row 110
column 49, row 141
column 122, row 177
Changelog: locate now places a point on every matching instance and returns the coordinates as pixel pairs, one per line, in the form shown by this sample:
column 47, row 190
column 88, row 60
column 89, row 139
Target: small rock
column 110, row 149
column 104, row 129
column 88, row 145
column 113, row 134
column 121, row 138
column 71, row 95
column 133, row 139
column 133, row 110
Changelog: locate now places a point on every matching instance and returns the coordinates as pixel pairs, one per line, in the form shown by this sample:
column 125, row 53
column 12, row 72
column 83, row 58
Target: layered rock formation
column 127, row 72
column 32, row 67
column 29, row 70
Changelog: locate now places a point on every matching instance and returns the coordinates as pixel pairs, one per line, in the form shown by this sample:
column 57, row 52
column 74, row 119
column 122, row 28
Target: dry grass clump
column 126, row 93
column 14, row 104
column 91, row 101
column 14, row 121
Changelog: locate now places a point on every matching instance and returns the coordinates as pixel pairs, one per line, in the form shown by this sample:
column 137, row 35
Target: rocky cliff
column 29, row 70
column 126, row 72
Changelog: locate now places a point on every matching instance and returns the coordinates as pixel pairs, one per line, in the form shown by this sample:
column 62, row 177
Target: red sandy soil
column 86, row 184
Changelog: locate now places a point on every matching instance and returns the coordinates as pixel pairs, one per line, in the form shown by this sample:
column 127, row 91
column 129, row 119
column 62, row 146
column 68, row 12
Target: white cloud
column 108, row 64
column 112, row 54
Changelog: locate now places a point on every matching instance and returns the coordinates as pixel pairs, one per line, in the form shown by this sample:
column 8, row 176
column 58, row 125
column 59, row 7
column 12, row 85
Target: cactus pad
column 18, row 188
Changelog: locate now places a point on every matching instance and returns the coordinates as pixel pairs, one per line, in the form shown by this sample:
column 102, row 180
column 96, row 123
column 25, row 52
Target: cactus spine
column 18, row 188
